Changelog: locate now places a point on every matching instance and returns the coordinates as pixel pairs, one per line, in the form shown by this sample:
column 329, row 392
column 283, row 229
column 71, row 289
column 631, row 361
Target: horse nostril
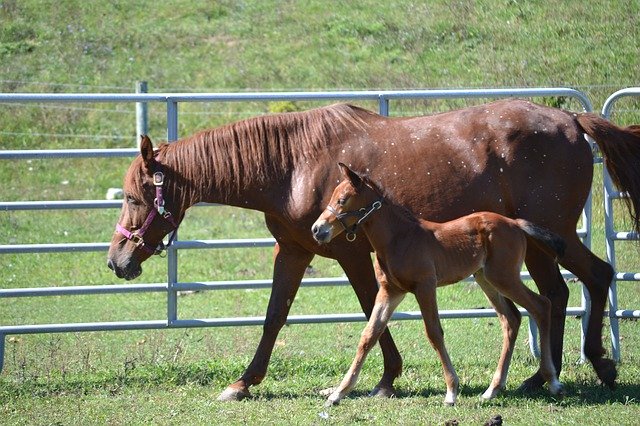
column 110, row 264
column 315, row 229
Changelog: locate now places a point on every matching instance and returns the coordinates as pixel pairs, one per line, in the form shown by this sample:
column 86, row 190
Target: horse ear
column 146, row 150
column 353, row 177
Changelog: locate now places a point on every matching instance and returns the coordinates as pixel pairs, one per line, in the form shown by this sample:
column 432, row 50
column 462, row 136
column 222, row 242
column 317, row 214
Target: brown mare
column 511, row 157
column 416, row 256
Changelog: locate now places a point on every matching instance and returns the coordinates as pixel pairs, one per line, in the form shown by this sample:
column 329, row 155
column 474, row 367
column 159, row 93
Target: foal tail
column 620, row 149
column 546, row 240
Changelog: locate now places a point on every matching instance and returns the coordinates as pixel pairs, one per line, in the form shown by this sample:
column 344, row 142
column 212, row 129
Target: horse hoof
column 557, row 389
column 234, row 394
column 383, row 392
column 607, row 372
column 532, row 384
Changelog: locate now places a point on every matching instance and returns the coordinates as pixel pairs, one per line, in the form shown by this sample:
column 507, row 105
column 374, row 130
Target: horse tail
column 547, row 240
column 620, row 149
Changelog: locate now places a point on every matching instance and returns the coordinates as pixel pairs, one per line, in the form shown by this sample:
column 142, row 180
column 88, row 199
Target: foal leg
column 510, row 319
column 545, row 273
column 539, row 307
column 361, row 276
column 426, row 297
column 386, row 303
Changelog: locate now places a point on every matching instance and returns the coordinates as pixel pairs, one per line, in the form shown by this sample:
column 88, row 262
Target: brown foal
column 414, row 255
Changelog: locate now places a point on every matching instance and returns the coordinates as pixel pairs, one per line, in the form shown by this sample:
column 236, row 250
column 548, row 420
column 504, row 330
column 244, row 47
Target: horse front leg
column 358, row 267
column 386, row 303
column 289, row 267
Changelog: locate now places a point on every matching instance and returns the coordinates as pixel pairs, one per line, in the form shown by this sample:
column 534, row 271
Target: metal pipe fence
column 612, row 236
column 173, row 286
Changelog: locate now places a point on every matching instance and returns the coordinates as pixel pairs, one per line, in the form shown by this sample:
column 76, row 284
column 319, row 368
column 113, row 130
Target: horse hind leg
column 510, row 319
column 596, row 275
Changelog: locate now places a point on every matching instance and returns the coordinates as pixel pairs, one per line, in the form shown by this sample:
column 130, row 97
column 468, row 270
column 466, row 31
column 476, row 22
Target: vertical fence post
column 172, row 252
column 142, row 113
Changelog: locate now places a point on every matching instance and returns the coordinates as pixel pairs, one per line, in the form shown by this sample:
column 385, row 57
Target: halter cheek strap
column 361, row 214
column 136, row 236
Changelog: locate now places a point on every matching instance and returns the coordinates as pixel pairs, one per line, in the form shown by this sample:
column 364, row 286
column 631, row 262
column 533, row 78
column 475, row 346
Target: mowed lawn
column 174, row 376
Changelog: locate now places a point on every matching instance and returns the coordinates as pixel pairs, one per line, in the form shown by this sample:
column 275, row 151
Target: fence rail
column 172, row 286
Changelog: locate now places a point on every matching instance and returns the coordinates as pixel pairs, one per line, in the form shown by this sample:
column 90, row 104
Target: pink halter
column 136, row 236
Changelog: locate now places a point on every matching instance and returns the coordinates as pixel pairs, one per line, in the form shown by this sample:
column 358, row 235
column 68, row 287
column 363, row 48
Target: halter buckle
column 158, row 178
column 136, row 239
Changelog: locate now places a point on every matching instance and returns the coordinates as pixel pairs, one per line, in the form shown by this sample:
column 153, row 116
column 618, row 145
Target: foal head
column 352, row 201
column 149, row 212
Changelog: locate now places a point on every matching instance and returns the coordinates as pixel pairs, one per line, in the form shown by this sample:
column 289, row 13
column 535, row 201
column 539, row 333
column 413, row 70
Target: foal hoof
column 607, row 372
column 383, row 392
column 328, row 391
column 234, row 394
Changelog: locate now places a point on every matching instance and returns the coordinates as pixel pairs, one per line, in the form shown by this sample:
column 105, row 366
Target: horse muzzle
column 322, row 232
column 130, row 271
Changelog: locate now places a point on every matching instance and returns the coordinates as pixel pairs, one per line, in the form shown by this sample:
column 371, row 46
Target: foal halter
column 136, row 236
column 361, row 214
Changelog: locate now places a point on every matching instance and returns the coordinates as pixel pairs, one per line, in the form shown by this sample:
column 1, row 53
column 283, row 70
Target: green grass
column 174, row 376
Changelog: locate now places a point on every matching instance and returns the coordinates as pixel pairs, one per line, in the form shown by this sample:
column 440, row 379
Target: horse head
column 351, row 203
column 149, row 212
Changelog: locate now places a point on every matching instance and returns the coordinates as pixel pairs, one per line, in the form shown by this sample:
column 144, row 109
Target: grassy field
column 174, row 376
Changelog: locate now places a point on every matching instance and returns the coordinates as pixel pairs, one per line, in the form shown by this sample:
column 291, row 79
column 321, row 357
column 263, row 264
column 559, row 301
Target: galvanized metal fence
column 173, row 286
column 613, row 236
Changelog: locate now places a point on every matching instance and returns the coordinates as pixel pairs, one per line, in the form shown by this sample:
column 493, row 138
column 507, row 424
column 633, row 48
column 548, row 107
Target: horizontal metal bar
column 52, row 248
column 297, row 96
column 83, row 290
column 78, row 327
column 627, row 313
column 59, row 205
column 187, row 286
column 90, row 247
column 245, row 321
column 626, row 236
column 26, row 154
column 224, row 243
column 627, row 276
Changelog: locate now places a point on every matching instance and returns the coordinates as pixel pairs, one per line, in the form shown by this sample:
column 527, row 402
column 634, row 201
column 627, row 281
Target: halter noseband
column 136, row 236
column 361, row 214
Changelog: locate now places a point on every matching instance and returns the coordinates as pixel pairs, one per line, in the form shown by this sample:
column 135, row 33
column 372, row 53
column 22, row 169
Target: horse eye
column 342, row 201
column 132, row 200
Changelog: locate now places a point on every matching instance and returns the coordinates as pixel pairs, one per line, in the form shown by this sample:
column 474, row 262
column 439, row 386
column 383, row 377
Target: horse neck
column 212, row 170
column 388, row 224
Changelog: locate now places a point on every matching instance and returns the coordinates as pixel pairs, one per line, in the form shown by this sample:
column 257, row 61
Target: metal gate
column 173, row 286
column 613, row 236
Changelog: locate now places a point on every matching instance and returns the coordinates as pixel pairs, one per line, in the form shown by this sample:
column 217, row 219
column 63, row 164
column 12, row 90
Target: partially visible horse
column 416, row 256
column 511, row 157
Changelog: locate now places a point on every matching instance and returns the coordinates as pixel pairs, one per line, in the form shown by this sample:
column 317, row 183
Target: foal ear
column 146, row 150
column 349, row 174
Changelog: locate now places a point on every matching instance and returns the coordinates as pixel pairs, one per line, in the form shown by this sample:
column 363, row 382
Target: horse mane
column 260, row 150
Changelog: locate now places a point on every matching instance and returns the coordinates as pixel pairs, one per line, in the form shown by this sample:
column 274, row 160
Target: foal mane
column 389, row 200
column 260, row 150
